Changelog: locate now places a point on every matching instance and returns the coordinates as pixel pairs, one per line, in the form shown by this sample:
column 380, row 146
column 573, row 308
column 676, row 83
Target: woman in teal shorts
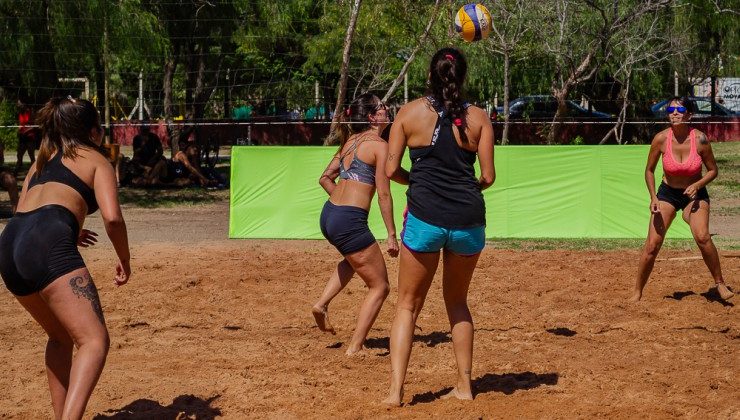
column 446, row 211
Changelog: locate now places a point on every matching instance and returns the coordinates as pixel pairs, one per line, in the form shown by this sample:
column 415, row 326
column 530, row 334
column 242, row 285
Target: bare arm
column 485, row 154
column 707, row 156
column 385, row 200
column 183, row 158
column 652, row 162
column 396, row 147
column 106, row 194
column 328, row 178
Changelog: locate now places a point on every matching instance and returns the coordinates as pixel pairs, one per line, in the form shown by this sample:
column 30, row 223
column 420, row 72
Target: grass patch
column 727, row 184
column 156, row 198
column 582, row 244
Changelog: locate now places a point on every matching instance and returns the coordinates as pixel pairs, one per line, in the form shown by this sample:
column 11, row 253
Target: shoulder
column 414, row 107
column 701, row 138
column 660, row 138
column 477, row 112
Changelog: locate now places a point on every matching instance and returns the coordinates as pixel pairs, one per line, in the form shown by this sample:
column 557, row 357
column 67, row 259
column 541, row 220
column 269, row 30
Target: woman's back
column 77, row 195
column 358, row 158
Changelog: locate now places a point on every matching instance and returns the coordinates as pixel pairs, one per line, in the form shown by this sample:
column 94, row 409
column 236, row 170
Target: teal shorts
column 420, row 236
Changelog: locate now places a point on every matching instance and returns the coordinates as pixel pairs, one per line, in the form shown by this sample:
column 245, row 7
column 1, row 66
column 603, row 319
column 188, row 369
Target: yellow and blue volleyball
column 473, row 22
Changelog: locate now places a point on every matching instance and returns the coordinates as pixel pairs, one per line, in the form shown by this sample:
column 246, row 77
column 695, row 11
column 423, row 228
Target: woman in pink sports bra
column 683, row 149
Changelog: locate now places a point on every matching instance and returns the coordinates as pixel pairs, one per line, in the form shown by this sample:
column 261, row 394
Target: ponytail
column 354, row 119
column 447, row 71
column 65, row 125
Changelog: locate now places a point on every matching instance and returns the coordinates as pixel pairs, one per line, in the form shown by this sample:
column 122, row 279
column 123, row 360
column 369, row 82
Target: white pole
column 406, row 88
column 141, row 95
column 495, row 100
column 675, row 83
column 316, row 93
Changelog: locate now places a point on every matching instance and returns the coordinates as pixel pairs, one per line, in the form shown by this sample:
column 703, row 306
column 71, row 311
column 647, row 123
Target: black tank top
column 55, row 171
column 443, row 189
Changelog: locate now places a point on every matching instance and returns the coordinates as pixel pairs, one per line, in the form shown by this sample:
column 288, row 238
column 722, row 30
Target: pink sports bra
column 690, row 167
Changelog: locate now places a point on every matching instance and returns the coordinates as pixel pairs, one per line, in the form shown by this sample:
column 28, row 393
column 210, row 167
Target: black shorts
column 676, row 197
column 346, row 228
column 38, row 247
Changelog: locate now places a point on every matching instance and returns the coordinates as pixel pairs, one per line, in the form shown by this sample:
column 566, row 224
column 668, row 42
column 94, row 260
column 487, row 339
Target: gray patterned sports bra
column 358, row 170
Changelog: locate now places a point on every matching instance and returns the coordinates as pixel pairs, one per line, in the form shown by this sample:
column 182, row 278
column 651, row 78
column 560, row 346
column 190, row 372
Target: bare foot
column 322, row 319
column 394, row 399
column 457, row 394
column 355, row 352
column 724, row 292
column 636, row 296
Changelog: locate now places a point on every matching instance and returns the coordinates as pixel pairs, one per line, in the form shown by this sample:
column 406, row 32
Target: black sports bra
column 55, row 171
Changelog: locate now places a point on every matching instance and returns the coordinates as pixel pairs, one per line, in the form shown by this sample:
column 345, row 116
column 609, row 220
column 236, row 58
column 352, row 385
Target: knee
column 702, row 238
column 383, row 290
column 652, row 248
column 60, row 342
column 100, row 342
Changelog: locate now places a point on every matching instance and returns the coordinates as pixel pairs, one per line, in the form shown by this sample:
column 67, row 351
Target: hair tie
column 450, row 57
column 457, row 122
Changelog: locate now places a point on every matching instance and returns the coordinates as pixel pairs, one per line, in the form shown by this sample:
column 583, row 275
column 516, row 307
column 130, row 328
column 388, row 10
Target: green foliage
column 577, row 141
column 8, row 136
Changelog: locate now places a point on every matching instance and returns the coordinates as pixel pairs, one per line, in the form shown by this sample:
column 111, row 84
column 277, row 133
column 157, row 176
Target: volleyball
column 473, row 22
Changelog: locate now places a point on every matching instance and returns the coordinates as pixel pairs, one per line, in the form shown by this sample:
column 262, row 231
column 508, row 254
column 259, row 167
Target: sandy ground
column 211, row 328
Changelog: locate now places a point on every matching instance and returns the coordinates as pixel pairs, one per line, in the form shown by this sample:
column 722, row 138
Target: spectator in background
column 27, row 136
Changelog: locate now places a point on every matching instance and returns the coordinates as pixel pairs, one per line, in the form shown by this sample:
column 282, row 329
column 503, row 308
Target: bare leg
column 9, row 183
column 19, row 156
column 415, row 274
column 370, row 266
column 58, row 350
column 458, row 272
column 340, row 277
column 659, row 224
column 73, row 299
column 696, row 215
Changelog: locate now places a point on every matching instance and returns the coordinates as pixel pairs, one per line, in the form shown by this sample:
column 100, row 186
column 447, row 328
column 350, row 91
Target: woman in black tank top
column 39, row 260
column 445, row 211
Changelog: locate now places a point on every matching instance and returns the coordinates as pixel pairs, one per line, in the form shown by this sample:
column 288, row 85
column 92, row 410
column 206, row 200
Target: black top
column 55, row 171
column 443, row 189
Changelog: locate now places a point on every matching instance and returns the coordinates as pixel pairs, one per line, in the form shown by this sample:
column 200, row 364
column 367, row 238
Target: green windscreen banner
column 540, row 192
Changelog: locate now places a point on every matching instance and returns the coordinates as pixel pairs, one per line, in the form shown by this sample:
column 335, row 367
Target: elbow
column 113, row 223
column 390, row 172
column 486, row 181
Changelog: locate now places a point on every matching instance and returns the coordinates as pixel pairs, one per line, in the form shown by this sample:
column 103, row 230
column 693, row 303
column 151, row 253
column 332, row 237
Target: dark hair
column 447, row 71
column 65, row 125
column 685, row 102
column 354, row 119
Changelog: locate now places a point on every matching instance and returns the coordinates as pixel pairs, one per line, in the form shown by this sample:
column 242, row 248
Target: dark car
column 543, row 107
column 703, row 108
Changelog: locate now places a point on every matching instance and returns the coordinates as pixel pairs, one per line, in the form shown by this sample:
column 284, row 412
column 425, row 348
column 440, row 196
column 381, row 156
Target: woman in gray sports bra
column 360, row 166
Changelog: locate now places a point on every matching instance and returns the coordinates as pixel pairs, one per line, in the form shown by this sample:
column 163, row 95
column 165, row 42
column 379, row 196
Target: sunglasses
column 672, row 109
column 380, row 106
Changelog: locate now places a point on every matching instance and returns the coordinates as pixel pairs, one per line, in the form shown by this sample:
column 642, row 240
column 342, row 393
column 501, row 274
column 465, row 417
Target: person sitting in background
column 184, row 169
column 148, row 156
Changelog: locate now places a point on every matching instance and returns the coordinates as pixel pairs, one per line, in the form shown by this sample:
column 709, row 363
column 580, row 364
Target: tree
column 579, row 37
column 509, row 27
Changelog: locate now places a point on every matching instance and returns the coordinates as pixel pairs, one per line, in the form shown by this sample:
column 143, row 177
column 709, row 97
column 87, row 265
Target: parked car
column 543, row 107
column 703, row 108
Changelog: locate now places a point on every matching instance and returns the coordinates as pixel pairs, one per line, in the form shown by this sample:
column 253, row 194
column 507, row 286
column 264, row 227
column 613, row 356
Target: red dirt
column 209, row 327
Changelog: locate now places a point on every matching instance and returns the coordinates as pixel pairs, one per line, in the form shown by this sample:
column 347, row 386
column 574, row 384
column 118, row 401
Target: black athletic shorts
column 676, row 197
column 346, row 228
column 38, row 247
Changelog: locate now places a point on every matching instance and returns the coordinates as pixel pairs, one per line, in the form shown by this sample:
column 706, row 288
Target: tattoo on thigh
column 83, row 286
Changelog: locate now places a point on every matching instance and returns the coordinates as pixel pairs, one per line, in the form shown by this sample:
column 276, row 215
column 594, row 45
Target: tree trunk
column 505, row 136
column 170, row 64
column 410, row 59
column 345, row 65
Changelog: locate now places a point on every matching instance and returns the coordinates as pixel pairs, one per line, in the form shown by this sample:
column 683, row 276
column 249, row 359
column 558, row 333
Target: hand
column 392, row 246
column 123, row 272
column 690, row 191
column 654, row 205
column 87, row 238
